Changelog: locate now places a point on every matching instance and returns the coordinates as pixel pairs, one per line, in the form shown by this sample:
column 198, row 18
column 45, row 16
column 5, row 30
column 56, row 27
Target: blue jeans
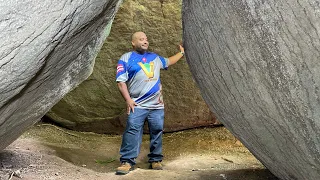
column 132, row 137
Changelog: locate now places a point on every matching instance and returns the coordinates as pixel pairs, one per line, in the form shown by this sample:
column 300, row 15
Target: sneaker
column 156, row 165
column 124, row 168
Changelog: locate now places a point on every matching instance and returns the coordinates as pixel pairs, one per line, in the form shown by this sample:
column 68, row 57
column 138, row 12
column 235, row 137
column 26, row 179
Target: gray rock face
column 257, row 65
column 47, row 48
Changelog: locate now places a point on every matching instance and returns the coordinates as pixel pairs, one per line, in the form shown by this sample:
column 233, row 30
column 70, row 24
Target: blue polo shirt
column 141, row 73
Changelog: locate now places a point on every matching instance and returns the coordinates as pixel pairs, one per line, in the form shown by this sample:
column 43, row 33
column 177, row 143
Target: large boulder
column 257, row 65
column 47, row 48
column 96, row 105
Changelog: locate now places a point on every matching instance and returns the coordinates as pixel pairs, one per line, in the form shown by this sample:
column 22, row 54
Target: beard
column 140, row 49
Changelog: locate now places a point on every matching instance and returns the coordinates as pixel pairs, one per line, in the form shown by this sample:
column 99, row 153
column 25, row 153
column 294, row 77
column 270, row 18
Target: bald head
column 136, row 35
column 140, row 42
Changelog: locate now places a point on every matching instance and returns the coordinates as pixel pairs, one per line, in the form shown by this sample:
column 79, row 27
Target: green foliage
column 105, row 162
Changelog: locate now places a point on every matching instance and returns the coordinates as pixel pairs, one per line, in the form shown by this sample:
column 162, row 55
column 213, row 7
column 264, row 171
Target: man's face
column 140, row 42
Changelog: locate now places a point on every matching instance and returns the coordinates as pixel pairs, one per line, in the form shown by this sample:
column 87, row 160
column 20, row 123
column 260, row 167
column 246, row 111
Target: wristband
column 182, row 53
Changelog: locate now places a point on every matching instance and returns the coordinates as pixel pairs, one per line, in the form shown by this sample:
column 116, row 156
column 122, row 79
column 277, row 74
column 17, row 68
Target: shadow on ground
column 240, row 174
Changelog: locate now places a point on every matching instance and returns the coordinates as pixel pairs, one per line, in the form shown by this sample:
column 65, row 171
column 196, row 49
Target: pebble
column 223, row 176
column 17, row 173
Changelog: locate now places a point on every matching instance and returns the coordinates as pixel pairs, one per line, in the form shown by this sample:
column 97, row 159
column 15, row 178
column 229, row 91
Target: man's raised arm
column 175, row 58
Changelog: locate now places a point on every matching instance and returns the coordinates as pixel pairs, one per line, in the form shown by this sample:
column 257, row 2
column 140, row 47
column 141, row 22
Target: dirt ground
column 48, row 152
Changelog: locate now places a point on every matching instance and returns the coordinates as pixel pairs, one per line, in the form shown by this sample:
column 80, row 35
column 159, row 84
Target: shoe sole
column 119, row 172
column 159, row 168
column 122, row 172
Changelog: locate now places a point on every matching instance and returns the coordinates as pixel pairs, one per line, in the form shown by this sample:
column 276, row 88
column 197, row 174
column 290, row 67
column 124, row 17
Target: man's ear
column 132, row 43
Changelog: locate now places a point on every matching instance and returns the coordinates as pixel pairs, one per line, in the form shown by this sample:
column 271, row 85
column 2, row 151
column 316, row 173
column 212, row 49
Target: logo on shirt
column 120, row 68
column 148, row 69
column 144, row 60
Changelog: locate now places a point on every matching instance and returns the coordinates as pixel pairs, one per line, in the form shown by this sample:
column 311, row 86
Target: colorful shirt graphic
column 148, row 68
column 141, row 72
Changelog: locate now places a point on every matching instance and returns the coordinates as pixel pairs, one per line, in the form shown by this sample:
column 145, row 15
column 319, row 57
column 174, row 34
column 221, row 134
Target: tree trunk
column 257, row 65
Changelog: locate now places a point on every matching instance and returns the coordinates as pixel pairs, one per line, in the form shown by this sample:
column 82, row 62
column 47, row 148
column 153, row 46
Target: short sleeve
column 122, row 73
column 164, row 62
column 122, row 70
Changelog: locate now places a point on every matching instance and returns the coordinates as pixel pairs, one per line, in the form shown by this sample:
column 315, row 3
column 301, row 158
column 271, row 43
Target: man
column 138, row 78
